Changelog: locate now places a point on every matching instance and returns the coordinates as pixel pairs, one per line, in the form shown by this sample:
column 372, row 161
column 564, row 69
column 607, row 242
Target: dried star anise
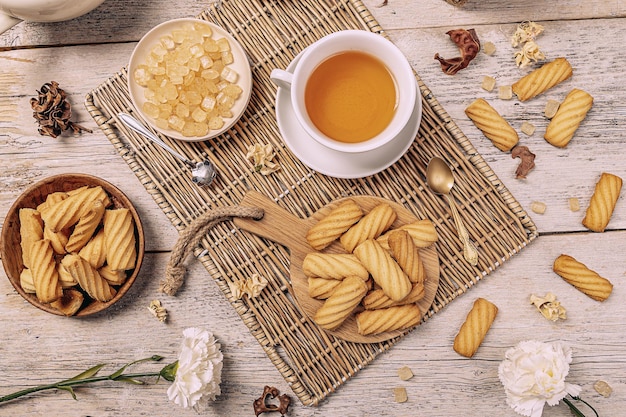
column 53, row 112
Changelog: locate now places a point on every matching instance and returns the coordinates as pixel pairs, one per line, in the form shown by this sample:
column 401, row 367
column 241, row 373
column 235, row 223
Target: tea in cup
column 352, row 91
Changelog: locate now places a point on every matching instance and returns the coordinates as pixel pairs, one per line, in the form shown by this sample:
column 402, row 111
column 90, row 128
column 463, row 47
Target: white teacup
column 347, row 42
column 14, row 11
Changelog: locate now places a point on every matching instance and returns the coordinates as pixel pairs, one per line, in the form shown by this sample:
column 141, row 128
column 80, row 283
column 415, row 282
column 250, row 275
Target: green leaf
column 115, row 375
column 70, row 390
column 130, row 380
column 88, row 373
column 169, row 371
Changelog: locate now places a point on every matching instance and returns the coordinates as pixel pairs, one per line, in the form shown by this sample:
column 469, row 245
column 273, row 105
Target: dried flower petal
column 469, row 46
column 526, row 31
column 261, row 157
column 254, row 285
column 157, row 310
column 549, row 307
column 251, row 287
column 237, row 289
column 529, row 53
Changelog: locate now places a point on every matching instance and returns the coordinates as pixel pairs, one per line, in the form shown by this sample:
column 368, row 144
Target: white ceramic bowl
column 240, row 64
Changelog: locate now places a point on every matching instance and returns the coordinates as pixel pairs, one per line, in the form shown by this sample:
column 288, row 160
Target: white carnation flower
column 533, row 374
column 199, row 369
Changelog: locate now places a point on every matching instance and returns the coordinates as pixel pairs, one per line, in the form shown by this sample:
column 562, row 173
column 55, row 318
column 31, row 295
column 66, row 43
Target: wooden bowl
column 11, row 251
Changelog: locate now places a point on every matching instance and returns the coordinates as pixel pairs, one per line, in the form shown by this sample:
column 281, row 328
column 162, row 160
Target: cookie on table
column 568, row 117
column 493, row 126
column 377, row 299
column 475, row 328
column 602, row 202
column 119, row 239
column 404, row 251
column 584, row 279
column 542, row 79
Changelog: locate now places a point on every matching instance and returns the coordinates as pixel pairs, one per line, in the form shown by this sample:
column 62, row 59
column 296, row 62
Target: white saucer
column 334, row 163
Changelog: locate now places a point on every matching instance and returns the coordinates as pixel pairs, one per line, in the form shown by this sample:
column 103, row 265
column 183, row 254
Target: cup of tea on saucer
column 352, row 91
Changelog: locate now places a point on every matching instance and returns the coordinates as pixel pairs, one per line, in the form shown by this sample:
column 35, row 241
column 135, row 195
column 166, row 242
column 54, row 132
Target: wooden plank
column 128, row 20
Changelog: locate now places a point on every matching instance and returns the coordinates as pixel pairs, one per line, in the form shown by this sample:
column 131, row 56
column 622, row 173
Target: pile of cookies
column 76, row 240
column 379, row 278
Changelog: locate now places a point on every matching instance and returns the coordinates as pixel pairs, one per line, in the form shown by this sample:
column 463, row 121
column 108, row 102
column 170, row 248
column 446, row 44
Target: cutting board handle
column 277, row 224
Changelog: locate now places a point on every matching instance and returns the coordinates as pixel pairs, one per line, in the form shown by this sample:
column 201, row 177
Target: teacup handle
column 7, row 22
column 281, row 78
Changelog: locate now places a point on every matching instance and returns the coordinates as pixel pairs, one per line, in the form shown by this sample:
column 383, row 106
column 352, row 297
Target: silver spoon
column 440, row 179
column 202, row 173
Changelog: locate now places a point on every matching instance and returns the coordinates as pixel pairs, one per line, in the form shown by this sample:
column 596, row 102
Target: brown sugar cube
column 505, row 92
column 405, row 373
column 574, row 204
column 488, row 83
column 399, row 395
column 538, row 207
column 527, row 128
column 552, row 106
column 489, row 48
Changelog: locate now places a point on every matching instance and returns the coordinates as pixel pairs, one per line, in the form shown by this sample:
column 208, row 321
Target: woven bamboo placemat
column 273, row 33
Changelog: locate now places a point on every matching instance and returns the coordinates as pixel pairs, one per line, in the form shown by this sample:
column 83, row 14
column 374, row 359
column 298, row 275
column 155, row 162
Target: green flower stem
column 72, row 382
column 89, row 377
column 575, row 410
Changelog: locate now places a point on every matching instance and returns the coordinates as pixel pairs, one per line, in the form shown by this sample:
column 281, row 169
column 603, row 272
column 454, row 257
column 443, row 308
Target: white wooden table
column 36, row 347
